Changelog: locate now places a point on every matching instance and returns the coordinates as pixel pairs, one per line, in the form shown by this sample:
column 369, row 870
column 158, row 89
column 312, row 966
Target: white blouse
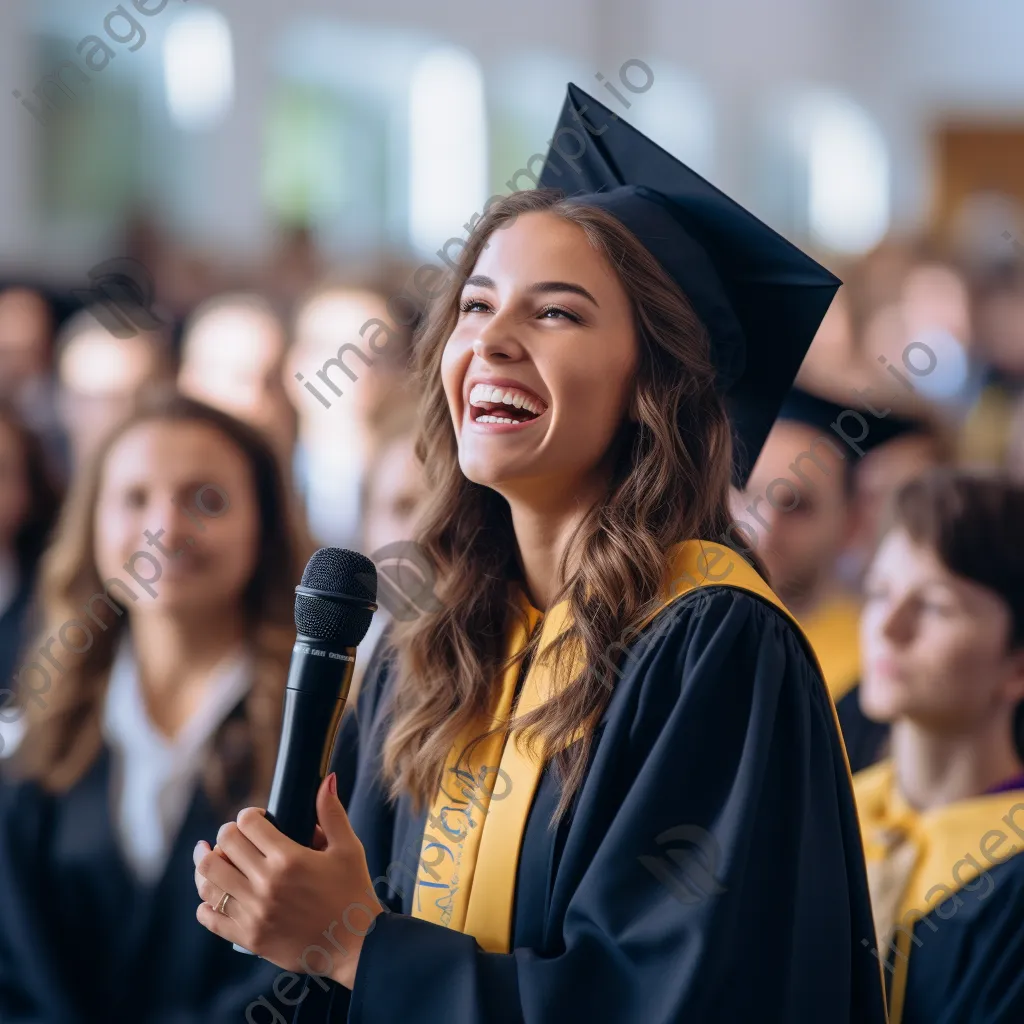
column 154, row 778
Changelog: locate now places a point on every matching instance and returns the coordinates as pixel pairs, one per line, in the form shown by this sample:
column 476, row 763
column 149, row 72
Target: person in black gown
column 148, row 709
column 943, row 814
column 603, row 781
column 29, row 503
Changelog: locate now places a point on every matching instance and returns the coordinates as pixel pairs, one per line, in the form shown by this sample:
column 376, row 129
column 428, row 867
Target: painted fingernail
column 332, row 783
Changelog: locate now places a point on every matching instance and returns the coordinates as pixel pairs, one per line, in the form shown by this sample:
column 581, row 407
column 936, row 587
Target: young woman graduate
column 148, row 710
column 943, row 817
column 669, row 833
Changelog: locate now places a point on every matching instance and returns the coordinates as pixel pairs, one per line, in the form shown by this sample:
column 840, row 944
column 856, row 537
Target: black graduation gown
column 14, row 627
column 721, row 724
column 866, row 741
column 81, row 941
column 966, row 962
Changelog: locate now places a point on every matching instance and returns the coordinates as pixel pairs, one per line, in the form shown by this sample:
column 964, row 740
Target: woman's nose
column 898, row 622
column 176, row 524
column 497, row 344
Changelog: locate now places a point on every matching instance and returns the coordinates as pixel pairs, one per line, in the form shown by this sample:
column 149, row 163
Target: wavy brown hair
column 670, row 482
column 64, row 738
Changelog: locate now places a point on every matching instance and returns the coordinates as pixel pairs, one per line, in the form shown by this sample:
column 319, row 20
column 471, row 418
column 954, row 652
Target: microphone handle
column 319, row 680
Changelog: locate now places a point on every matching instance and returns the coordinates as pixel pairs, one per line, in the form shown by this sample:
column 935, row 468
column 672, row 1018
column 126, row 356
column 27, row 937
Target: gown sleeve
column 727, row 881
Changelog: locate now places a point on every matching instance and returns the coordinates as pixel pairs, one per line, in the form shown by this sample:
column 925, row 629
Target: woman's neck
column 174, row 658
column 542, row 536
column 934, row 770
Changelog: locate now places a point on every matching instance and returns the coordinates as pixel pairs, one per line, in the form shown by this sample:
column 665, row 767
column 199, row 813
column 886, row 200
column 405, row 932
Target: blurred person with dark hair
column 29, row 504
column 101, row 376
column 26, row 330
column 905, row 449
column 168, row 599
column 394, row 491
column 233, row 349
column 943, row 814
column 349, row 359
column 26, row 365
column 798, row 501
column 988, row 436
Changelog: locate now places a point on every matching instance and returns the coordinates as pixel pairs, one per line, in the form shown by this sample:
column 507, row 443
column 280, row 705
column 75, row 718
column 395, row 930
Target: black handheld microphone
column 334, row 604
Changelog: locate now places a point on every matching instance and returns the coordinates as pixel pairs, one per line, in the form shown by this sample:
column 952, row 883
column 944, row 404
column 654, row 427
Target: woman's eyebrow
column 482, row 281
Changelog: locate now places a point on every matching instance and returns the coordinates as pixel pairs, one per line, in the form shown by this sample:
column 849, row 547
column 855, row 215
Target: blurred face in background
column 833, row 350
column 192, row 489
column 231, row 359
column 396, row 489
column 325, row 324
column 935, row 646
column 100, row 377
column 14, row 490
column 25, row 329
column 1001, row 328
column 881, row 473
column 800, row 546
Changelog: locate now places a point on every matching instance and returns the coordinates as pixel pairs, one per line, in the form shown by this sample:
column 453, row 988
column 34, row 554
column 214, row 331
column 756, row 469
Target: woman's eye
column 559, row 312
column 472, row 306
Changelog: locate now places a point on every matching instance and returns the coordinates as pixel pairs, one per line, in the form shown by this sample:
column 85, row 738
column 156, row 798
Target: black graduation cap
column 760, row 298
column 823, row 414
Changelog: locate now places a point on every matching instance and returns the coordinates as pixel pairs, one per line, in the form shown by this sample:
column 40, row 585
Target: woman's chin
column 492, row 473
column 881, row 702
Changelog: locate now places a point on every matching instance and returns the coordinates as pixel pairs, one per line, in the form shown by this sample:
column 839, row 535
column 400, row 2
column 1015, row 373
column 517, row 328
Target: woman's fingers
column 252, row 823
column 215, row 875
column 240, row 851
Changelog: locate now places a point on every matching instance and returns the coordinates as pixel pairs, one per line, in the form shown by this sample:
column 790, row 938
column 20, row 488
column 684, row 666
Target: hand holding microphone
column 263, row 887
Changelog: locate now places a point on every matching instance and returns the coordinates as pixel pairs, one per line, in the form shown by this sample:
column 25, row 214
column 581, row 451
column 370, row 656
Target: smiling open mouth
column 496, row 404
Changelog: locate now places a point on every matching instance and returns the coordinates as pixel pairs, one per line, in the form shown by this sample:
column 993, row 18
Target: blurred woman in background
column 349, row 360
column 394, row 492
column 232, row 351
column 100, row 377
column 149, row 710
column 943, row 816
column 29, row 503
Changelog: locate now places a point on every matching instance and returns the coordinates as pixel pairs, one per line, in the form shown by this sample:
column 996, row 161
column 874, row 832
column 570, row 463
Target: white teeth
column 495, row 419
column 488, row 393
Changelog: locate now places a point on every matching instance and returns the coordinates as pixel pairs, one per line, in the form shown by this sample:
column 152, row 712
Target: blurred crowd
column 196, row 453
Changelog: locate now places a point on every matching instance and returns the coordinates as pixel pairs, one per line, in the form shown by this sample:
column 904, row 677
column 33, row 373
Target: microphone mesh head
column 342, row 572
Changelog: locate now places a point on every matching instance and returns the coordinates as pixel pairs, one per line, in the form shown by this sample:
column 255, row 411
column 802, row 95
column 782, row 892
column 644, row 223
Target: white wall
column 906, row 61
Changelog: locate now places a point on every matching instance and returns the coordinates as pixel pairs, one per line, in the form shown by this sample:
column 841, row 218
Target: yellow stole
column 467, row 873
column 834, row 633
column 918, row 859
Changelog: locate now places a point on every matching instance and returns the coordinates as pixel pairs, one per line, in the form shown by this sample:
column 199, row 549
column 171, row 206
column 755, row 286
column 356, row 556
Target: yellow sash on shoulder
column 917, row 860
column 467, row 873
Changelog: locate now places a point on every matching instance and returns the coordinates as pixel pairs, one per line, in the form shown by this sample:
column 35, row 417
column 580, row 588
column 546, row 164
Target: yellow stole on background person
column 470, row 854
column 834, row 632
column 916, row 860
